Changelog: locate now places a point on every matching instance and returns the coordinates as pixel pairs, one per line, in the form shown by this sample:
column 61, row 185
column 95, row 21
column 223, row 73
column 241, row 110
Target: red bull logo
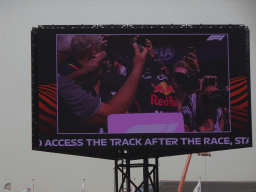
column 169, row 101
column 166, row 90
column 163, row 88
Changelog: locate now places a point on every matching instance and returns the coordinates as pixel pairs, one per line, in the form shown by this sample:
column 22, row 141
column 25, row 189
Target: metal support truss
column 149, row 177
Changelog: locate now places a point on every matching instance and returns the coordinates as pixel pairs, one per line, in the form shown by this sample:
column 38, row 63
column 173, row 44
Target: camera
column 141, row 41
column 219, row 98
column 188, row 81
column 106, row 65
column 120, row 49
column 211, row 81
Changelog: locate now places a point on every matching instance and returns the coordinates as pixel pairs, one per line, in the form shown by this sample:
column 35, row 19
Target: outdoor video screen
column 184, row 78
column 117, row 86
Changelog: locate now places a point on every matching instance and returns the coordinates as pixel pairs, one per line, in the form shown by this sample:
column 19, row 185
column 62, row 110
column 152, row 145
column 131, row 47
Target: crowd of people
column 92, row 85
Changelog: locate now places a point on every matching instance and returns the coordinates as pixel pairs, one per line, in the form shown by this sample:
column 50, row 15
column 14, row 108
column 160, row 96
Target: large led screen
column 177, row 90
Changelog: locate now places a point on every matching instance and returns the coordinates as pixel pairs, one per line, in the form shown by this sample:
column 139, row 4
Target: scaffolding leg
column 145, row 174
column 125, row 168
column 157, row 175
column 116, row 176
column 128, row 166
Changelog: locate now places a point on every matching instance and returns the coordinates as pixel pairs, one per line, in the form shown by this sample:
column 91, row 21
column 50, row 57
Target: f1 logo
column 215, row 37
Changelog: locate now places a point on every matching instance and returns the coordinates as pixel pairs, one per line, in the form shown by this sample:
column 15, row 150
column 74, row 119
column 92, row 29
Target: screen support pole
column 116, row 175
column 150, row 175
column 145, row 174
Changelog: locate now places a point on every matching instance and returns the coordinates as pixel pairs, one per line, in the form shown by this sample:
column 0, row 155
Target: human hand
column 149, row 47
column 192, row 61
column 104, row 42
column 186, row 128
column 228, row 88
column 94, row 63
column 139, row 57
column 209, row 77
column 165, row 71
column 135, row 38
column 212, row 80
